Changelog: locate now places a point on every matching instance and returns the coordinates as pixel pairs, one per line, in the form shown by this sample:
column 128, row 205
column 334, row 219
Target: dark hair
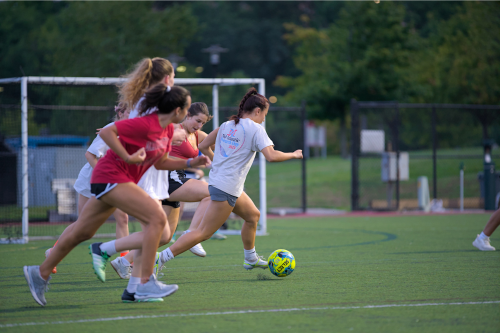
column 250, row 101
column 197, row 108
column 164, row 98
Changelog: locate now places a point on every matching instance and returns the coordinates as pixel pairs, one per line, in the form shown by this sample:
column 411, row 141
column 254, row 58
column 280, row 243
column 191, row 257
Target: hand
column 297, row 154
column 200, row 161
column 178, row 137
column 137, row 157
column 97, row 131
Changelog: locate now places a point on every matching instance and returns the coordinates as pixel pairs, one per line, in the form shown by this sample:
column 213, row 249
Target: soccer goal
column 43, row 140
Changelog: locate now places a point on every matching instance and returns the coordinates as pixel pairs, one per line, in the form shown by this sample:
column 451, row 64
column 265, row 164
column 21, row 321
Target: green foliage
column 89, row 38
column 363, row 55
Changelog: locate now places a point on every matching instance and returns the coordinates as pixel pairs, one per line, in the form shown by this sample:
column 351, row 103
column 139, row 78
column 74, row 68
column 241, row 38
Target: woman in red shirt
column 142, row 142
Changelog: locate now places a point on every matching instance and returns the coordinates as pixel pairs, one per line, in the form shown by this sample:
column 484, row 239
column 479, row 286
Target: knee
column 158, row 218
column 254, row 217
column 166, row 237
column 122, row 220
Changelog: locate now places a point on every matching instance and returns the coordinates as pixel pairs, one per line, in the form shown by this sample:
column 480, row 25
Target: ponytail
column 146, row 73
column 164, row 98
column 250, row 101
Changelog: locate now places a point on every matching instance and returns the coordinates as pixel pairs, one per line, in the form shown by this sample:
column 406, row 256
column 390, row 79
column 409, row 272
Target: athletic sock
column 166, row 255
column 108, row 247
column 250, row 255
column 133, row 283
column 483, row 236
column 125, row 261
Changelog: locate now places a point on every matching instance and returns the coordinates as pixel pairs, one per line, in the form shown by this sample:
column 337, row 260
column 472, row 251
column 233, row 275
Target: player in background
column 142, row 142
column 96, row 150
column 236, row 142
column 482, row 241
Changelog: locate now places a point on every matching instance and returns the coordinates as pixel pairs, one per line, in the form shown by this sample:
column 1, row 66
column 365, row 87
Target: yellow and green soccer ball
column 281, row 263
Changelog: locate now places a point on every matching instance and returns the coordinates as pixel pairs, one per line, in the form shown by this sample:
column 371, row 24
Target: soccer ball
column 281, row 263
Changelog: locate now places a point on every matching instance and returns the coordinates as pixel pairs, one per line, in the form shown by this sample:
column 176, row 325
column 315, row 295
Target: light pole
column 215, row 51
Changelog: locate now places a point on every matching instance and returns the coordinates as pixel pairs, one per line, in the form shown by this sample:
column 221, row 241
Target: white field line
column 241, row 312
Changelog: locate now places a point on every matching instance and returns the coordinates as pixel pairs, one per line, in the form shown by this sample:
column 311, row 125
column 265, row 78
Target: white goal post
column 45, row 80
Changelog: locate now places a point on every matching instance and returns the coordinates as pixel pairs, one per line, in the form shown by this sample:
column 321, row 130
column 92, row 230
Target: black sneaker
column 130, row 298
column 99, row 260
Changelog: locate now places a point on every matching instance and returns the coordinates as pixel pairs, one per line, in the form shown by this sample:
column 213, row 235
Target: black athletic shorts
column 176, row 179
column 98, row 190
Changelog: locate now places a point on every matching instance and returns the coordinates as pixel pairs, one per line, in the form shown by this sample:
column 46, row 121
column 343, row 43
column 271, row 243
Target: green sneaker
column 260, row 263
column 157, row 264
column 99, row 260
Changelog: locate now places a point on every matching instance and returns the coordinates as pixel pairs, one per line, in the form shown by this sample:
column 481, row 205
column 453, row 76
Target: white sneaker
column 483, row 244
column 198, row 250
column 121, row 269
column 154, row 289
column 259, row 263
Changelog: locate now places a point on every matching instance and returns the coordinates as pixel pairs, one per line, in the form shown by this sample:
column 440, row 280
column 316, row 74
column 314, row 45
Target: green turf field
column 353, row 274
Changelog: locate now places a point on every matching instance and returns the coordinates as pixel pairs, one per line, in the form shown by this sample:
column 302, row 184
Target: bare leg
column 492, row 224
column 121, row 223
column 245, row 208
column 166, row 237
column 91, row 218
column 134, row 201
column 215, row 216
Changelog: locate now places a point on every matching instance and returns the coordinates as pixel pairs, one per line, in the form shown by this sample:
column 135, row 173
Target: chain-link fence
column 425, row 140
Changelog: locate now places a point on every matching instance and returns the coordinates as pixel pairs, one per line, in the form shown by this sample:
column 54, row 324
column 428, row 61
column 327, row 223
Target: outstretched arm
column 171, row 164
column 272, row 155
column 206, row 145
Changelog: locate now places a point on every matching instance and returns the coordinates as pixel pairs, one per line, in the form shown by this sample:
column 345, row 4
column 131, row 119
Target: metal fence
column 434, row 140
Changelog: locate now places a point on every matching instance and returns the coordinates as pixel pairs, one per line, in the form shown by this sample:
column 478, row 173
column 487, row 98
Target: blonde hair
column 146, row 73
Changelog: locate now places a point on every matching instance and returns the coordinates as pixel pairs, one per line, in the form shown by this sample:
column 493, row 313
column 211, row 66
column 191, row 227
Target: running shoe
column 483, row 244
column 130, row 298
column 154, row 289
column 158, row 266
column 259, row 263
column 121, row 269
column 99, row 260
column 198, row 250
column 218, row 236
column 54, row 270
column 38, row 286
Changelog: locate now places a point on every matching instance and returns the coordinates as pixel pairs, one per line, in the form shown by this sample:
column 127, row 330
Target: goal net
column 46, row 125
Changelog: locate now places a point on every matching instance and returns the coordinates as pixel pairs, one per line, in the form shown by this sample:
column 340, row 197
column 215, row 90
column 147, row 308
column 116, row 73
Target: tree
column 363, row 55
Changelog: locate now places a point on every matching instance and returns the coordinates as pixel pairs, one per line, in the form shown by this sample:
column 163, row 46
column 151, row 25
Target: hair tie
column 168, row 89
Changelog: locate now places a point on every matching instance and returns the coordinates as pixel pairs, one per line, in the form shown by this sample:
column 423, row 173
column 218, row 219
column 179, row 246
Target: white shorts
column 155, row 183
column 82, row 184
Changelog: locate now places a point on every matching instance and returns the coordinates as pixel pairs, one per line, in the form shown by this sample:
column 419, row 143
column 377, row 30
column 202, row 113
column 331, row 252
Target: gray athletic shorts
column 218, row 195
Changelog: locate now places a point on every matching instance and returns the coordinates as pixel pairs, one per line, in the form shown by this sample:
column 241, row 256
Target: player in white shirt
column 236, row 142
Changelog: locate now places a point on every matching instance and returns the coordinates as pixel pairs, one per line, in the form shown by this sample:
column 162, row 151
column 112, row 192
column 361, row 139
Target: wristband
column 189, row 162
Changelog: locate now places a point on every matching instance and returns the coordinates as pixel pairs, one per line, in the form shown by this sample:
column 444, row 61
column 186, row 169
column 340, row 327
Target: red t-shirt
column 134, row 134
